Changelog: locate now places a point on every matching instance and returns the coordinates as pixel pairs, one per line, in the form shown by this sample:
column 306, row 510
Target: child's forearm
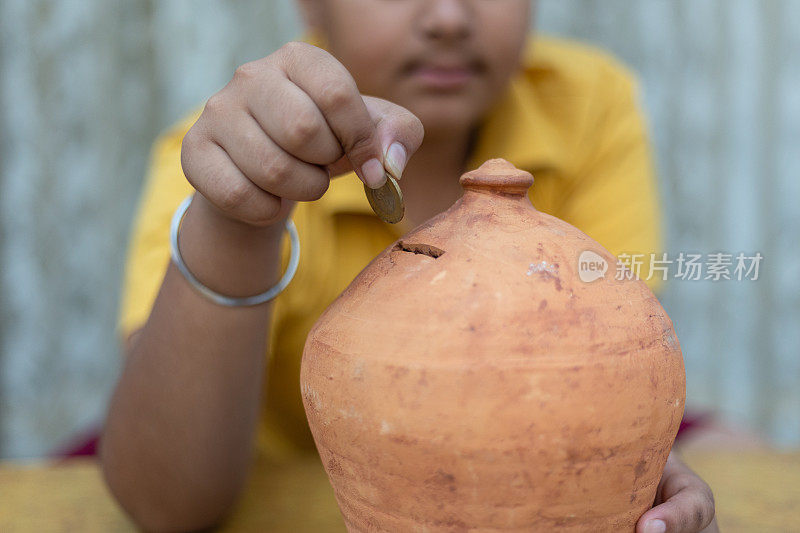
column 178, row 438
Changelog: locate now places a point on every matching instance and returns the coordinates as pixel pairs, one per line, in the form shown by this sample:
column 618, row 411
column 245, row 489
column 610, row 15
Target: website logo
column 591, row 266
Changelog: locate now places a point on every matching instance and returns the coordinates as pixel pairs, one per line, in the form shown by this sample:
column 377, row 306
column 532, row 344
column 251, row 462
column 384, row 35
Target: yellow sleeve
column 148, row 252
column 614, row 197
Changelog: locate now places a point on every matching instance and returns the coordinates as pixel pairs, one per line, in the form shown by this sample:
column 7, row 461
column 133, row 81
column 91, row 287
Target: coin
column 387, row 200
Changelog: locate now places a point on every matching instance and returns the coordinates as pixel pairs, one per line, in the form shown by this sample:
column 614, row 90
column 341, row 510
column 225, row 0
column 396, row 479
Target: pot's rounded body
column 468, row 380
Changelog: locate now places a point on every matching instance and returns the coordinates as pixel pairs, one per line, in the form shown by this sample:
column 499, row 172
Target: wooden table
column 755, row 492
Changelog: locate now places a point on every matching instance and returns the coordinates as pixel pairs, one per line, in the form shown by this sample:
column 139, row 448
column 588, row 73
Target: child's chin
column 446, row 117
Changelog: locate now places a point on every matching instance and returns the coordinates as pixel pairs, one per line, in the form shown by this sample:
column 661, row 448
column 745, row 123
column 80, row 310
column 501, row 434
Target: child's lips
column 443, row 77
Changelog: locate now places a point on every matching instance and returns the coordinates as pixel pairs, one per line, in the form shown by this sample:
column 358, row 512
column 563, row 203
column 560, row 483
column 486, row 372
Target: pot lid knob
column 497, row 176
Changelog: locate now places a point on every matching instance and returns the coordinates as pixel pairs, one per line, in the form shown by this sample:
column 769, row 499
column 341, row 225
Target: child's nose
column 446, row 19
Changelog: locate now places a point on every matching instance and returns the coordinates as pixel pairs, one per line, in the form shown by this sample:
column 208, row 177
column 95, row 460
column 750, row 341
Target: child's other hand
column 283, row 126
column 684, row 503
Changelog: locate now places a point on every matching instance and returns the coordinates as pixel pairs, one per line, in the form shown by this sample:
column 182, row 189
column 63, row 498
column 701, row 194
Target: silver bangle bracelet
column 216, row 297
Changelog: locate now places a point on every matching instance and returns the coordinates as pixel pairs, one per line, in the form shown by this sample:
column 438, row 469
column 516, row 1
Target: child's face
column 444, row 60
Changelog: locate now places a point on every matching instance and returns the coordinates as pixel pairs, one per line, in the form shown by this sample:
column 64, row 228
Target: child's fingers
column 334, row 91
column 685, row 503
column 400, row 132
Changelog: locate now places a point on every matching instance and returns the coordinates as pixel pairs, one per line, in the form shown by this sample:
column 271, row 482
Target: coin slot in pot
column 418, row 248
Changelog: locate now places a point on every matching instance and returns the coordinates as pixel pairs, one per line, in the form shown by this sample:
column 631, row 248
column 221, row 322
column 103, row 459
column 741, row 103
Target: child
column 452, row 83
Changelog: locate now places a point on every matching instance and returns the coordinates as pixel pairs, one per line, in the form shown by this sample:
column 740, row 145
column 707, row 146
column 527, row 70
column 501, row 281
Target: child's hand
column 283, row 126
column 684, row 503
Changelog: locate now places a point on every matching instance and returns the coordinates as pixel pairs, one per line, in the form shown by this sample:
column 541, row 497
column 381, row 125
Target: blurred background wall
column 85, row 85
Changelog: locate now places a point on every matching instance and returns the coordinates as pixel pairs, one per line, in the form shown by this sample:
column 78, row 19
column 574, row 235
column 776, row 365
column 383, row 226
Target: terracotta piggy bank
column 469, row 379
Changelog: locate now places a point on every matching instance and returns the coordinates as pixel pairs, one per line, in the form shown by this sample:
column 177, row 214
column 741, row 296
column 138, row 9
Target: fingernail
column 373, row 173
column 655, row 526
column 396, row 159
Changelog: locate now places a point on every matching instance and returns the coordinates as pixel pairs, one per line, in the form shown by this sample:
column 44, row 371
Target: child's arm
column 178, row 438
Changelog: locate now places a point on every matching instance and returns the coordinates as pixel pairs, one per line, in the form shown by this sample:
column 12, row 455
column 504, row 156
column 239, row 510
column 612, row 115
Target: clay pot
column 468, row 380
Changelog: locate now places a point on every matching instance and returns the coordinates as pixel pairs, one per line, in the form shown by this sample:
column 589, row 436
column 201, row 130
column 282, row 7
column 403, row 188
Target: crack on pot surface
column 418, row 248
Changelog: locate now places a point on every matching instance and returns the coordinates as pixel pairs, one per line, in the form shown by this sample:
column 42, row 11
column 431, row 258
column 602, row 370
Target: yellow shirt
column 569, row 116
